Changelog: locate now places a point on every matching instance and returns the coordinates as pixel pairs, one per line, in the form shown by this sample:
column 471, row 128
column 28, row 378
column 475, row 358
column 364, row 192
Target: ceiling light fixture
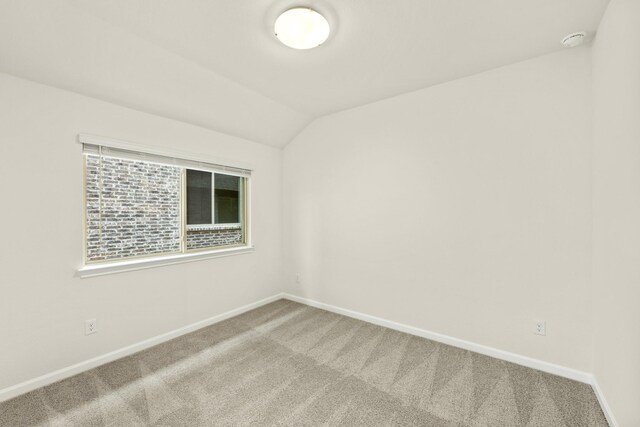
column 574, row 39
column 302, row 28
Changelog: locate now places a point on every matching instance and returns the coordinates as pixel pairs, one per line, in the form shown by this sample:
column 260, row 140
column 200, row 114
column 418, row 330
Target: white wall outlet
column 90, row 326
column 540, row 327
column 297, row 279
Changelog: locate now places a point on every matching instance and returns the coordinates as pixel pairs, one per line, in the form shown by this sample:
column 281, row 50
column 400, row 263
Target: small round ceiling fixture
column 574, row 39
column 302, row 28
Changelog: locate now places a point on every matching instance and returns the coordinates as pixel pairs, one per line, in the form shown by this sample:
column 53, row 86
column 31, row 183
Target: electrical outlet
column 90, row 326
column 540, row 327
column 298, row 279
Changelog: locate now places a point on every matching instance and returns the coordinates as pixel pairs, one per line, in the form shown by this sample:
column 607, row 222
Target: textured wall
column 140, row 209
column 200, row 239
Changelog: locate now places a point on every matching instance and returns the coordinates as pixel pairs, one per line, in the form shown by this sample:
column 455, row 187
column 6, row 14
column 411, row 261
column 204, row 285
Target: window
column 141, row 205
column 227, row 199
column 199, row 197
column 205, row 206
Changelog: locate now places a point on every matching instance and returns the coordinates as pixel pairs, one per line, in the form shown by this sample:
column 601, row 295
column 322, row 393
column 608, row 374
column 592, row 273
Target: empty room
column 320, row 213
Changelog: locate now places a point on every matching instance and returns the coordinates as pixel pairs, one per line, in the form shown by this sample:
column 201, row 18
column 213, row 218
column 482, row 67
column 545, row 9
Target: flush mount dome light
column 302, row 28
column 574, row 39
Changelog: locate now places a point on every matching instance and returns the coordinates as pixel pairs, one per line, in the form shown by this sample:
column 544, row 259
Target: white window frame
column 213, row 225
column 191, row 161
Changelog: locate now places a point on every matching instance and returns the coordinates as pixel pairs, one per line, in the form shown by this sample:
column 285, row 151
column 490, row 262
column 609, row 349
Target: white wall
column 462, row 209
column 42, row 305
column 616, row 210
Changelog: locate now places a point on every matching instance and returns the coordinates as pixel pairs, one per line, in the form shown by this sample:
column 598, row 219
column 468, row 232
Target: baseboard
column 518, row 359
column 43, row 380
column 606, row 409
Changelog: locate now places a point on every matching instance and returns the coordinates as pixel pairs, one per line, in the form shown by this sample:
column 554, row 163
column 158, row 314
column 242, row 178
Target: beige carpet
column 289, row 364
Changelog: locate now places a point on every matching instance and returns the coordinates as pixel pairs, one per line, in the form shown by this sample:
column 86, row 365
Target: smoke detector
column 574, row 39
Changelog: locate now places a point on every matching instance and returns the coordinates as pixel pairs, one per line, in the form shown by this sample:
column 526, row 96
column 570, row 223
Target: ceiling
column 216, row 63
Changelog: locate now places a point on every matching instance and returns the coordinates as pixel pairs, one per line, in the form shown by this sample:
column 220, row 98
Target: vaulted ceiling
column 216, row 63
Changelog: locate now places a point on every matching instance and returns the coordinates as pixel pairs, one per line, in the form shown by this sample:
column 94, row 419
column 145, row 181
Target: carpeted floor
column 289, row 364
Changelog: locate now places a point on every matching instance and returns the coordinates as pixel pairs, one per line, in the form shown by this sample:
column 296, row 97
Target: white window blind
column 106, row 151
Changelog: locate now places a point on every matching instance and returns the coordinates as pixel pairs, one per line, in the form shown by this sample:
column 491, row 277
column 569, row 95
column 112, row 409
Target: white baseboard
column 43, row 380
column 518, row 359
column 69, row 371
column 606, row 409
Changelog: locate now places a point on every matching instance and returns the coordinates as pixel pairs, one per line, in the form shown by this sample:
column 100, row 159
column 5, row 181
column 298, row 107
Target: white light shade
column 302, row 28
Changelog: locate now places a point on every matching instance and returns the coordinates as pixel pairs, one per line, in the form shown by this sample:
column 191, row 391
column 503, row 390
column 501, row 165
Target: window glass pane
column 132, row 208
column 198, row 197
column 227, row 199
column 227, row 228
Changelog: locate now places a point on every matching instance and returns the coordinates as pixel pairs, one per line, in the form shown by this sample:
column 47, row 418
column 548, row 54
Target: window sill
column 101, row 269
